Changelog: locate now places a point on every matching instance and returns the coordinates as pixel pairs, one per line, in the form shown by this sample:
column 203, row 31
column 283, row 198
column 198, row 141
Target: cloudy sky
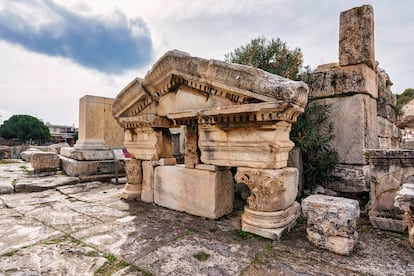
column 53, row 52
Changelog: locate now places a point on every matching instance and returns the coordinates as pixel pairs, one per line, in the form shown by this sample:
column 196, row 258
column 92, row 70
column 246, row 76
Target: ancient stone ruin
column 92, row 157
column 233, row 116
column 363, row 108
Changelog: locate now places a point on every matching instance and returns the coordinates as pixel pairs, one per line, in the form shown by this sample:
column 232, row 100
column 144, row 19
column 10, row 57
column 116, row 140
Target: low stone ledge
column 332, row 222
column 45, row 161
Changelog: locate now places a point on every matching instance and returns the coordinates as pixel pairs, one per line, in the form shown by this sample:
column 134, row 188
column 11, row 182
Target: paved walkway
column 86, row 229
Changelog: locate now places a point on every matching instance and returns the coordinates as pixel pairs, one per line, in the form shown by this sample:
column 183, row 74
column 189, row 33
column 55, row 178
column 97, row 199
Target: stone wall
column 363, row 108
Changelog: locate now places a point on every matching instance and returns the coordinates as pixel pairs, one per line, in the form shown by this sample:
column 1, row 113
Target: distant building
column 61, row 134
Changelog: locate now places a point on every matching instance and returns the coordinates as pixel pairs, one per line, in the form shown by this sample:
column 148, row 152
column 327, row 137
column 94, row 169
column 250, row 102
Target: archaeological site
column 174, row 148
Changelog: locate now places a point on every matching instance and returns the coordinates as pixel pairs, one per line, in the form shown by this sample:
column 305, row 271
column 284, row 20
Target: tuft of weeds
column 113, row 265
column 202, row 256
column 367, row 229
column 242, row 235
column 191, row 231
column 9, row 254
column 268, row 247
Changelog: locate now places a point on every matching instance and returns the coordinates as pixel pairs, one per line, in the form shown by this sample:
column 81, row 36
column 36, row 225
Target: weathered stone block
column 405, row 201
column 149, row 143
column 349, row 179
column 147, row 194
column 27, row 154
column 332, row 222
column 387, row 128
column 45, row 161
column 356, row 37
column 385, row 94
column 355, row 129
column 199, row 192
column 6, row 186
column 192, row 154
column 97, row 127
column 56, row 147
column 387, row 111
column 86, row 155
column 329, row 82
column 389, row 170
column 247, row 145
column 295, row 161
column 83, row 168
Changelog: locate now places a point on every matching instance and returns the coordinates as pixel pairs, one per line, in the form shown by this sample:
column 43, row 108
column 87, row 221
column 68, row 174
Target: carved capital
column 133, row 169
column 270, row 190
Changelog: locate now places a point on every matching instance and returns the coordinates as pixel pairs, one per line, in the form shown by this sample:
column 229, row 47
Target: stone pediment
column 180, row 86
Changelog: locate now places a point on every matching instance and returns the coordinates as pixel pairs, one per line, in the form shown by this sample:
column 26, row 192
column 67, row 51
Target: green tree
column 272, row 56
column 405, row 97
column 312, row 132
column 25, row 127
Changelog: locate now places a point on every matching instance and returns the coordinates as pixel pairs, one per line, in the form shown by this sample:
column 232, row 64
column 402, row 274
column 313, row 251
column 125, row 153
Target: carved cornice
column 144, row 121
column 132, row 94
column 234, row 81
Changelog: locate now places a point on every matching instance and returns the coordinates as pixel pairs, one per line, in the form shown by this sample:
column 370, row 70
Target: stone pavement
column 86, row 229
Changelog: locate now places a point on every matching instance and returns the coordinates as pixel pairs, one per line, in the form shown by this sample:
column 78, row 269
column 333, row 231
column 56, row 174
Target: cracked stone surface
column 76, row 229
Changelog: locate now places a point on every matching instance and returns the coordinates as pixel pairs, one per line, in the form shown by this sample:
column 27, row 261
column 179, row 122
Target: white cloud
column 51, row 87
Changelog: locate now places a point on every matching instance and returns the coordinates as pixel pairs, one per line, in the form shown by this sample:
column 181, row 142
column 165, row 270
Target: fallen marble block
column 405, row 201
column 45, row 161
column 332, row 222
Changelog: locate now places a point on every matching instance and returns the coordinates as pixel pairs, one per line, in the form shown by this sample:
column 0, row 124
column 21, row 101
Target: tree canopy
column 405, row 97
column 24, row 127
column 272, row 56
